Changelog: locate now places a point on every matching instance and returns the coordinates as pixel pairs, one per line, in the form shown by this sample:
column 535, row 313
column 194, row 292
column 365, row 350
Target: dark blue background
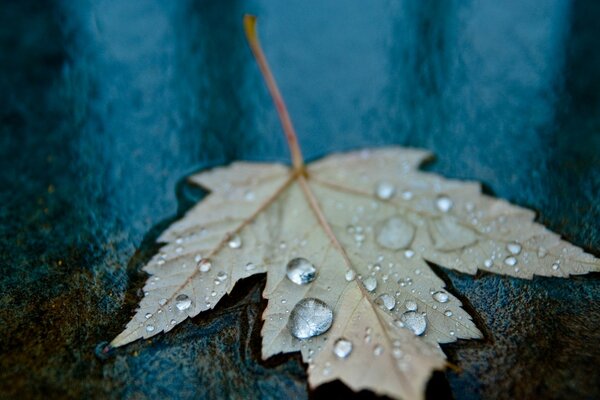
column 106, row 107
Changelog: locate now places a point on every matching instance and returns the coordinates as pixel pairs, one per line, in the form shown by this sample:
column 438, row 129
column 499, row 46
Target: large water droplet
column 441, row 297
column 310, row 317
column 395, row 233
column 205, row 265
column 414, row 321
column 514, row 248
column 370, row 283
column 183, row 302
column 235, row 241
column 387, row 301
column 342, row 348
column 444, row 203
column 301, row 271
column 385, row 191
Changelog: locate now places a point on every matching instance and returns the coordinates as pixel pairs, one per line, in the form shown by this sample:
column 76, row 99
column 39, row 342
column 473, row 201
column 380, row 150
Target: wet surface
column 106, row 107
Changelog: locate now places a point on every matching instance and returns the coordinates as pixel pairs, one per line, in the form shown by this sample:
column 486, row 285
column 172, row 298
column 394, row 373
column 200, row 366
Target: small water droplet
column 173, row 322
column 444, row 203
column 397, row 353
column 409, row 254
column 249, row 196
column 310, row 317
column 183, row 302
column 385, row 191
column 221, row 276
column 148, row 315
column 283, row 301
column 149, row 328
column 386, row 301
column 350, row 275
column 370, row 283
column 414, row 321
column 235, row 241
column 197, row 258
column 510, row 261
column 301, row 271
column 410, row 305
column 250, row 266
column 514, row 248
column 452, row 333
column 378, row 350
column 542, row 252
column 205, row 265
column 441, row 297
column 407, row 195
column 395, row 233
column 162, row 302
column 342, row 348
column 555, row 266
column 488, row 263
column 448, row 313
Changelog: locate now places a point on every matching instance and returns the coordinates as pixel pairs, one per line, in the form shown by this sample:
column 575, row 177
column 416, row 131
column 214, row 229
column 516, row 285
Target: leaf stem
column 286, row 122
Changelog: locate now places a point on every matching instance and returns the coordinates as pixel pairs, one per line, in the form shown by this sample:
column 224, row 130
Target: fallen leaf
column 345, row 243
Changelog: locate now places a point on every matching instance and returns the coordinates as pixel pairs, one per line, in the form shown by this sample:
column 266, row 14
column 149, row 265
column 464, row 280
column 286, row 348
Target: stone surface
column 107, row 106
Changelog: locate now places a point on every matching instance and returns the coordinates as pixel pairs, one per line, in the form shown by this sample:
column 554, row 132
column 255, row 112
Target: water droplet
column 249, row 196
column 149, row 328
column 342, row 348
column 514, row 248
column 406, row 195
column 197, row 258
column 310, row 317
column 183, row 302
column 385, row 191
column 370, row 283
column 409, row 254
column 148, row 315
column 378, row 350
column 510, row 261
column 444, row 203
column 221, row 276
column 179, row 249
column 448, row 313
column 555, row 266
column 301, row 271
column 441, row 297
column 410, row 305
column 350, row 275
column 488, row 263
column 235, row 241
column 173, row 322
column 395, row 233
column 250, row 266
column 414, row 321
column 387, row 301
column 397, row 353
column 205, row 265
column 452, row 333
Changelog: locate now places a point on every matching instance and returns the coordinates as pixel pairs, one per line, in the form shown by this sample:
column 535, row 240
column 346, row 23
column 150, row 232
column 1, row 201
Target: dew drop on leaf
column 350, row 275
column 448, row 313
column 441, row 297
column 342, row 348
column 310, row 317
column 514, row 248
column 183, row 302
column 378, row 350
column 148, row 315
column 395, row 233
column 370, row 283
column 250, row 266
column 386, row 301
column 221, row 276
column 149, row 328
column 205, row 265
column 301, row 271
column 410, row 305
column 385, row 190
column 444, row 203
column 235, row 241
column 510, row 261
column 414, row 321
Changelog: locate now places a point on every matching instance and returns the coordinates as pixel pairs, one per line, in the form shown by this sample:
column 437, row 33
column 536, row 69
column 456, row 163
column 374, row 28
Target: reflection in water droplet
column 235, row 241
column 514, row 248
column 387, row 301
column 378, row 350
column 441, row 297
column 370, row 283
column 183, row 302
column 205, row 265
column 301, row 271
column 444, row 203
column 342, row 348
column 385, row 191
column 395, row 233
column 414, row 321
column 310, row 317
column 410, row 305
column 511, row 261
column 350, row 275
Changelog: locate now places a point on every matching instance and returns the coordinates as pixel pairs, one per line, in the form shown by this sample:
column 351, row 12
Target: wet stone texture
column 107, row 106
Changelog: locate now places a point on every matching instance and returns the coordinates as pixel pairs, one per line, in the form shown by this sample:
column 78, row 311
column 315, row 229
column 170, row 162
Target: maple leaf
column 345, row 243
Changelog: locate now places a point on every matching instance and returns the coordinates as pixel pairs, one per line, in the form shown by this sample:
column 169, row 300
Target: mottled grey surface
column 106, row 107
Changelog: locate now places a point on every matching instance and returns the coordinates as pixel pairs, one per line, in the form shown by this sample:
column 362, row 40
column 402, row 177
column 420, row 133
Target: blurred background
column 107, row 106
